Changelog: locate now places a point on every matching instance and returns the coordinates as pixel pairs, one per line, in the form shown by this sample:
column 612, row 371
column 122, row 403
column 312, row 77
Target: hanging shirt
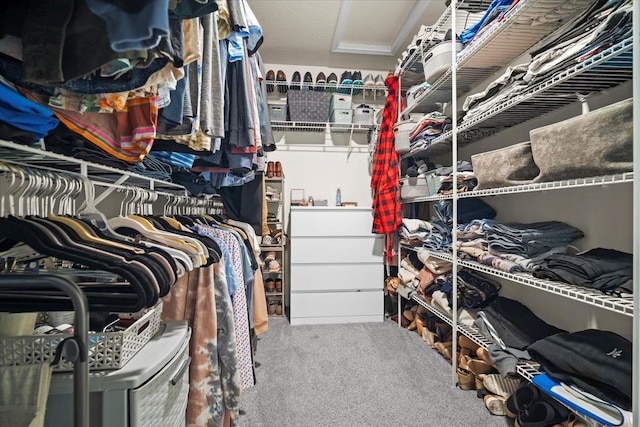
column 385, row 180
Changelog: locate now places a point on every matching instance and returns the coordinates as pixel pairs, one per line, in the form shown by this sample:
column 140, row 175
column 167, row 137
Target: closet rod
column 80, row 332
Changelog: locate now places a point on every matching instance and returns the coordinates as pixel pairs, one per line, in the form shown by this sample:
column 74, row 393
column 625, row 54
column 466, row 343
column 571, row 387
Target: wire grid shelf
column 617, row 304
column 287, row 126
column 107, row 350
column 22, row 155
column 495, row 48
column 624, row 178
column 360, row 93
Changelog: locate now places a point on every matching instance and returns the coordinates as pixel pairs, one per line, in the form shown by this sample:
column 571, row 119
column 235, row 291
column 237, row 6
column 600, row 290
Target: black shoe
column 345, row 80
column 295, row 81
column 270, row 77
column 332, row 81
column 357, row 81
column 282, row 79
column 321, row 81
column 308, row 81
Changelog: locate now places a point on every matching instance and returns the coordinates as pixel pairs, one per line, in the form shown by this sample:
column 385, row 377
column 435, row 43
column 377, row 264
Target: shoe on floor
column 281, row 78
column 500, row 386
column 270, row 77
column 465, row 379
column 295, row 81
column 542, row 413
column 495, row 404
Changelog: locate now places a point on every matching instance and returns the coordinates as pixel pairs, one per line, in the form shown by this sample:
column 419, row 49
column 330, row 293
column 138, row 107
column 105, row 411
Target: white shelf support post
column 454, row 226
column 636, row 219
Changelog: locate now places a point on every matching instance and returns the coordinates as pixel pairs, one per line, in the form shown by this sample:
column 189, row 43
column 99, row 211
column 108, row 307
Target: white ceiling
column 358, row 34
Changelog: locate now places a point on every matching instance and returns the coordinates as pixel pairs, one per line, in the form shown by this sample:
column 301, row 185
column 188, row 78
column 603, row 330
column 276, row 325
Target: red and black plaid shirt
column 385, row 181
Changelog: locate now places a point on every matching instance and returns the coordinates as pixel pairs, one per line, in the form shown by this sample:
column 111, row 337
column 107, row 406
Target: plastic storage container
column 402, row 130
column 340, row 101
column 419, row 186
column 437, row 60
column 341, row 119
column 278, row 112
column 363, row 115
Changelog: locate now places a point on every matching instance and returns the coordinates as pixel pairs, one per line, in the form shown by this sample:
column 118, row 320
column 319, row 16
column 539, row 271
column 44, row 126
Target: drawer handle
column 178, row 375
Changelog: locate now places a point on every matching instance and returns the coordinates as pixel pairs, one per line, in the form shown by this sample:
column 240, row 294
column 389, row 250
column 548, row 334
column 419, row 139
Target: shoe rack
column 273, row 246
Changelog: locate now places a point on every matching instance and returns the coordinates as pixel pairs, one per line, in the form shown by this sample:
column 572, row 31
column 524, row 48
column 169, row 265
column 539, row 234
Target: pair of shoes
column 530, row 407
column 271, row 169
column 270, row 284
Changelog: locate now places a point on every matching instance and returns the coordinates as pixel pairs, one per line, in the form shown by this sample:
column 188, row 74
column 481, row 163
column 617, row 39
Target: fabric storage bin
column 593, row 144
column 340, row 101
column 278, row 112
column 363, row 115
column 437, row 60
column 419, row 186
column 513, row 165
column 308, row 106
column 402, row 131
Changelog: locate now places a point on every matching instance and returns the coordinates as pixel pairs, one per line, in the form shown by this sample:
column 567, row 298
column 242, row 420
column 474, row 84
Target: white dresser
column 337, row 272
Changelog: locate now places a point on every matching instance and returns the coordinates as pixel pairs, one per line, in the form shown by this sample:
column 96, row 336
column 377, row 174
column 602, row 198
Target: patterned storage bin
column 308, row 106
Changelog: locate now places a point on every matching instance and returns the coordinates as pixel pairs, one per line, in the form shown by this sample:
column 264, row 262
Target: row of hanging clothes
column 202, row 266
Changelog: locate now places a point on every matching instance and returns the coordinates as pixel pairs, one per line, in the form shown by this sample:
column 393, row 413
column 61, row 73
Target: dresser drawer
column 342, row 277
column 162, row 401
column 331, row 222
column 357, row 306
column 342, row 250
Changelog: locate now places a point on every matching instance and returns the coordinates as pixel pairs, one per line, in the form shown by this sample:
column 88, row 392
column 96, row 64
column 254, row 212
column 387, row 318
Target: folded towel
column 23, row 394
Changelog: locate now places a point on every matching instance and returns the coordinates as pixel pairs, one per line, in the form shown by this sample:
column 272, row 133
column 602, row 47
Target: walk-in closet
column 292, row 213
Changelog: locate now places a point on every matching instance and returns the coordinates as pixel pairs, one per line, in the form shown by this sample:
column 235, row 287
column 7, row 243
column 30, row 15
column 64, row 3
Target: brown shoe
column 270, row 284
column 465, row 379
column 270, row 77
column 278, row 170
column 278, row 284
column 465, row 342
column 270, row 170
column 281, row 78
column 272, row 308
column 279, row 309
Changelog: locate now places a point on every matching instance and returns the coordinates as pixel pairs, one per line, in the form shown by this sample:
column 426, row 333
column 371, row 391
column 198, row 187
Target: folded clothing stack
column 603, row 269
column 428, row 128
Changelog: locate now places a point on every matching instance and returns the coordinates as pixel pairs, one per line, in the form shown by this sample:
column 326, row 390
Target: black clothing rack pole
column 80, row 332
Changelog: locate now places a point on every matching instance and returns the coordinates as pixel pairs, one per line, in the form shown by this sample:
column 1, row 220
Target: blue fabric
column 24, row 114
column 236, row 45
column 173, row 158
column 494, row 10
column 232, row 279
column 133, row 31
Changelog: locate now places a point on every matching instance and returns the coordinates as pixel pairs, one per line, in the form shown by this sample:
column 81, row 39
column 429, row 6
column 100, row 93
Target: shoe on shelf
column 270, row 284
column 274, row 266
column 308, row 81
column 368, row 80
column 272, row 308
column 332, row 81
column 279, row 308
column 271, row 169
column 272, row 193
column 321, row 81
column 356, row 78
column 281, row 78
column 379, row 81
column 266, row 240
column 345, row 80
column 270, row 77
column 269, row 256
column 278, row 282
column 278, row 170
column 295, row 81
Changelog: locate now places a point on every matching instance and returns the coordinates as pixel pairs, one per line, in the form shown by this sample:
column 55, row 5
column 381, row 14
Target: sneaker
column 368, row 80
column 496, row 405
column 321, row 81
column 270, row 77
column 295, row 81
column 281, row 78
column 357, row 81
column 379, row 80
column 345, row 80
column 332, row 81
column 500, row 386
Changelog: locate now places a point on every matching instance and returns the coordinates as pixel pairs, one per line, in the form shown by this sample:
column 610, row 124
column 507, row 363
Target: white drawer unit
column 150, row 391
column 337, row 272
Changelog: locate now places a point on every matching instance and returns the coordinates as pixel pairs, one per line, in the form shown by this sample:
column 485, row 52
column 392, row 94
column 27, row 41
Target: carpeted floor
column 355, row 375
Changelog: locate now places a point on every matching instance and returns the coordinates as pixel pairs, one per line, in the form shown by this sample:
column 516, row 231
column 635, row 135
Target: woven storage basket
column 107, row 350
column 308, row 106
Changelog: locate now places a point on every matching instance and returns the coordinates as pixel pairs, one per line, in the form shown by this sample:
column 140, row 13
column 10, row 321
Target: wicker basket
column 107, row 350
